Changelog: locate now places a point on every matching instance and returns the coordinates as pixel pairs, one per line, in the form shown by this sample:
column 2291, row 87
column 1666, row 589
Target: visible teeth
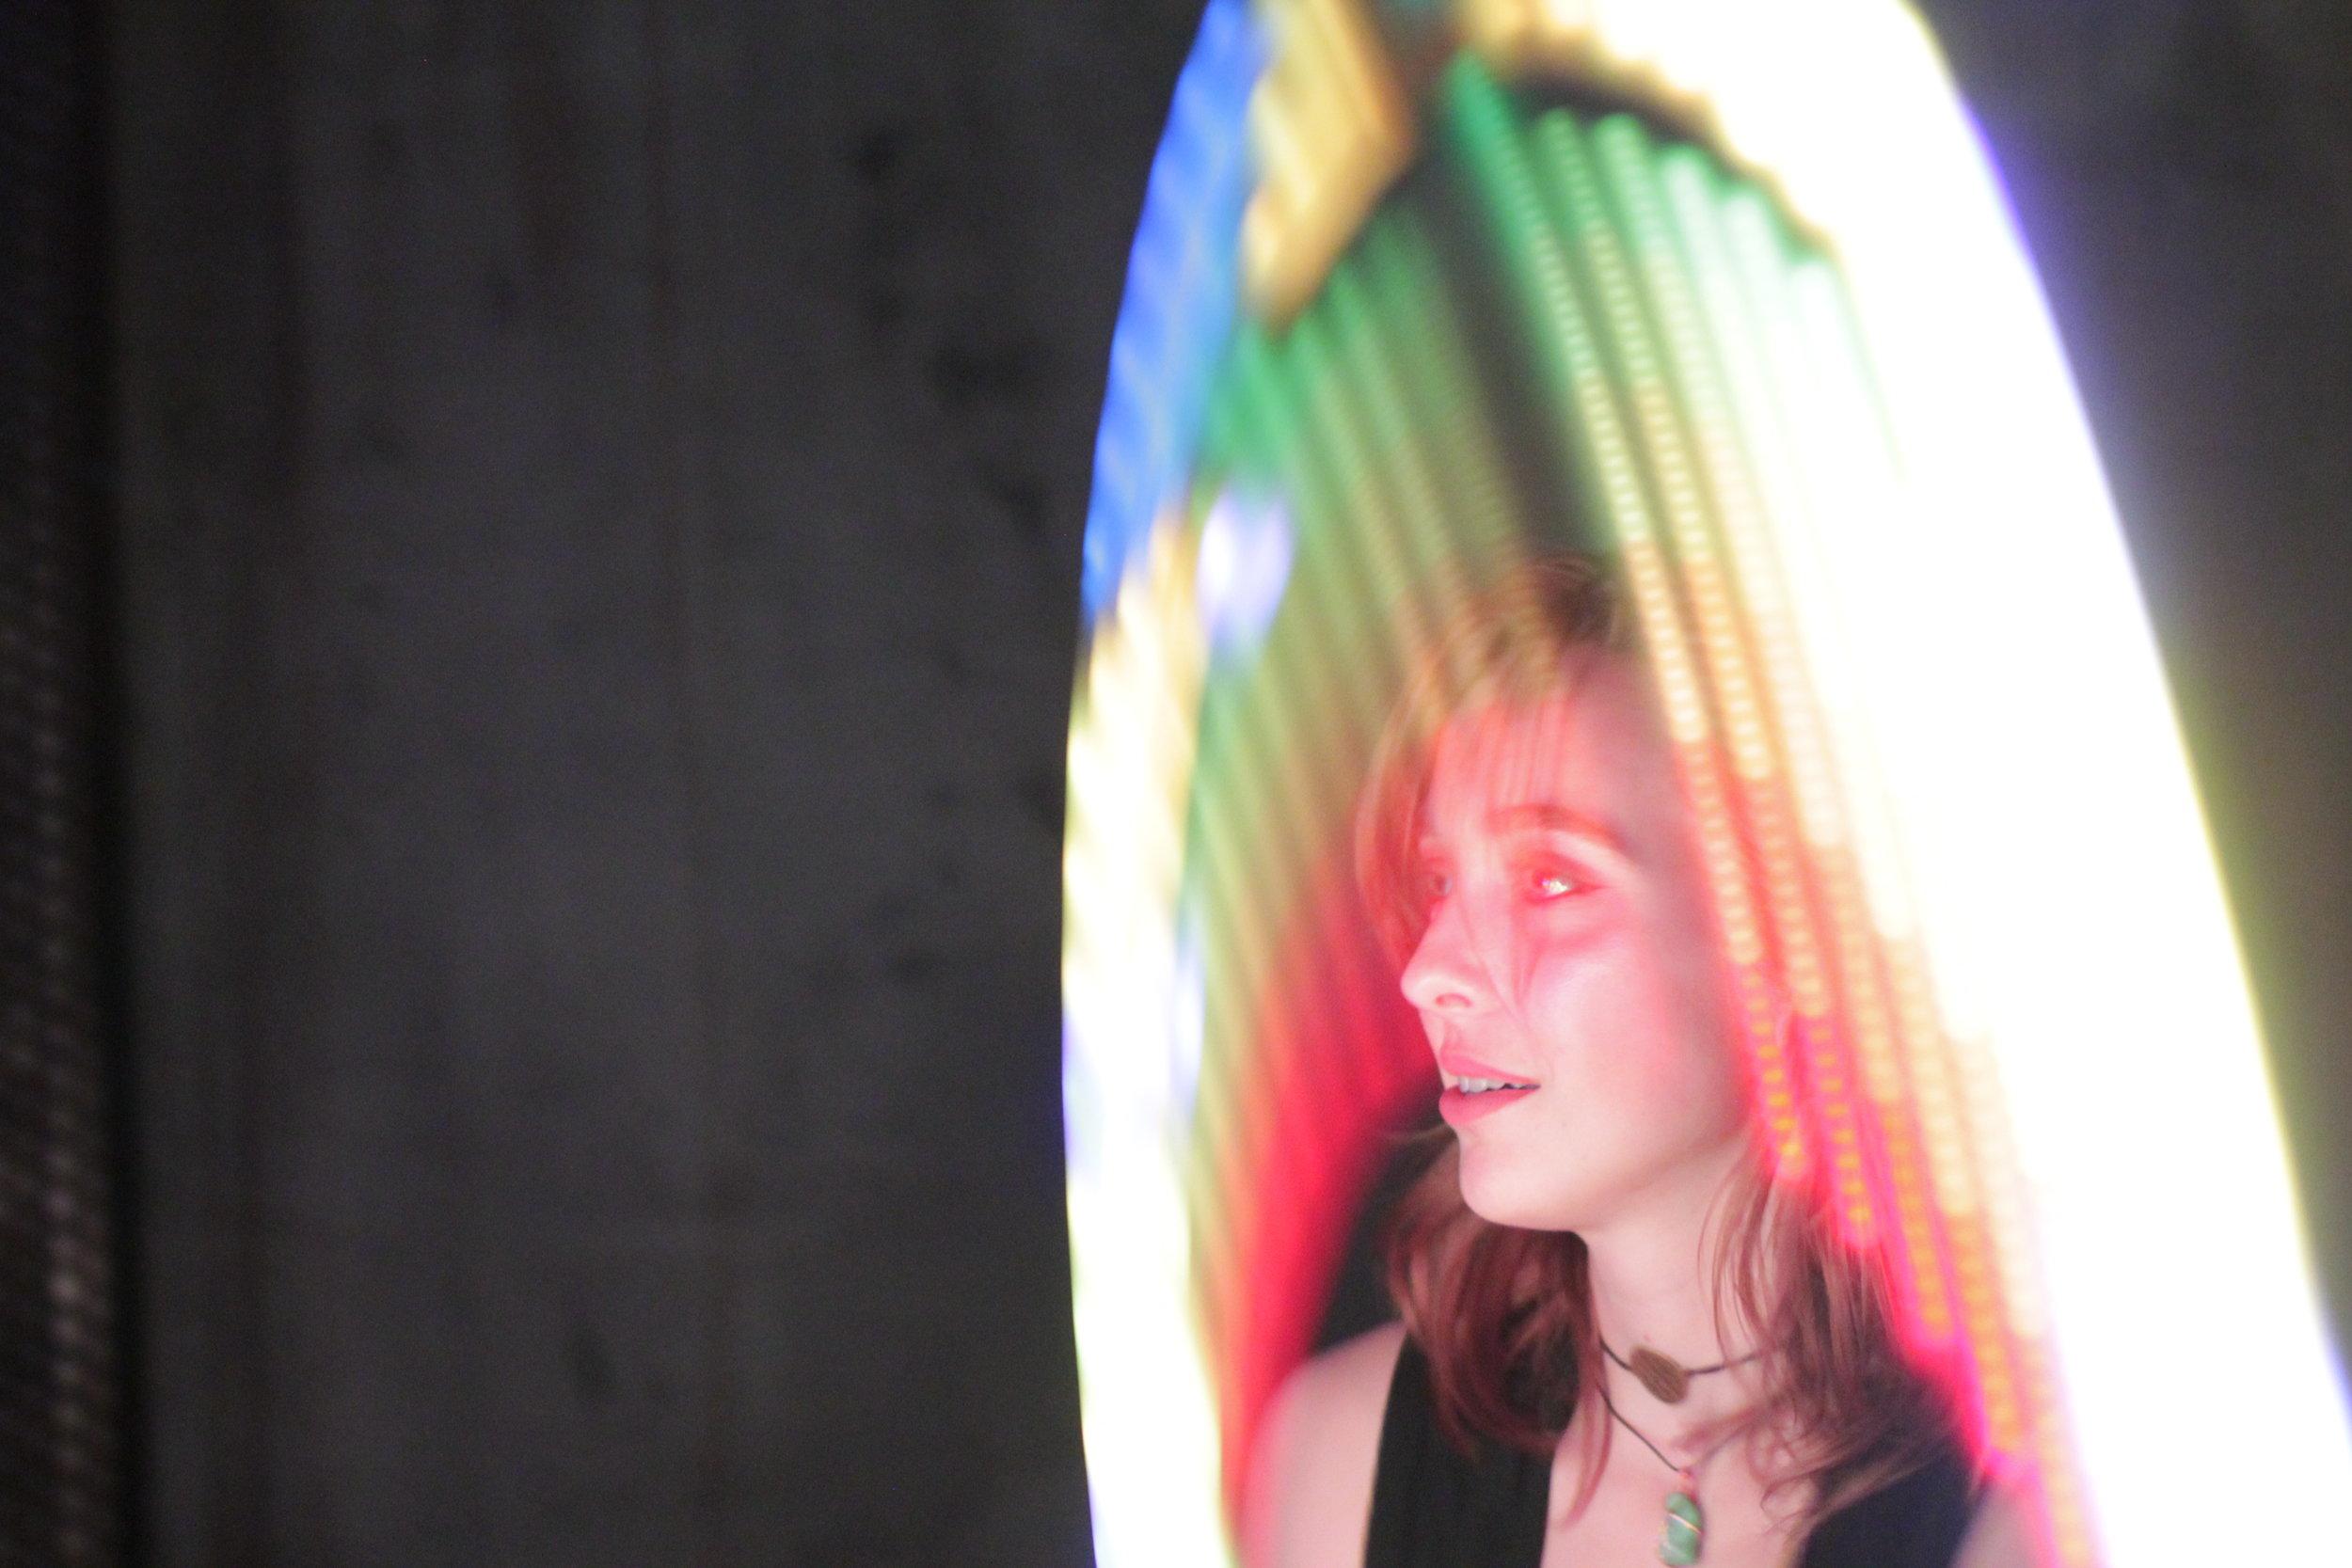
column 1479, row 1086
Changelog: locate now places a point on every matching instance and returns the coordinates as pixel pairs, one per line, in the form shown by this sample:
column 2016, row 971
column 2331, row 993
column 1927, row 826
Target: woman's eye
column 1553, row 882
column 1436, row 883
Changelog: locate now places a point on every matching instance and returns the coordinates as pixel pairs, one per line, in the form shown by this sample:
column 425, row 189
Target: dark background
column 597, row 492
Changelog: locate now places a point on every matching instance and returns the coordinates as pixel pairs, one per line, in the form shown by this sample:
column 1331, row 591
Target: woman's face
column 1570, row 948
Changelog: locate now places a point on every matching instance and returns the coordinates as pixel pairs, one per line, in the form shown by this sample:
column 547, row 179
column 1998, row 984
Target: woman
column 1603, row 1208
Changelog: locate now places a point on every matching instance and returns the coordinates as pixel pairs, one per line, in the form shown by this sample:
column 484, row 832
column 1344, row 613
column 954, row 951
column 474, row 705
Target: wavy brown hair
column 1504, row 1315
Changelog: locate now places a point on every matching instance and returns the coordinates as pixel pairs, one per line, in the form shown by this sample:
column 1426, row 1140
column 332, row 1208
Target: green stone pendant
column 1679, row 1547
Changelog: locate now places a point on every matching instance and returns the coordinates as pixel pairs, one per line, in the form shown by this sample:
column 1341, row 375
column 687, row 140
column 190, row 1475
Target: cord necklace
column 1667, row 1379
column 1685, row 1528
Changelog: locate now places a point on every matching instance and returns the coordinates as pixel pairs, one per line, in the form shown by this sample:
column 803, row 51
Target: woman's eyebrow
column 1546, row 816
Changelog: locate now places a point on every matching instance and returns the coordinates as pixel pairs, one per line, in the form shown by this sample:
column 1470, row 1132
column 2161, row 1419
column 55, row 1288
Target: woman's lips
column 1460, row 1109
column 1457, row 1064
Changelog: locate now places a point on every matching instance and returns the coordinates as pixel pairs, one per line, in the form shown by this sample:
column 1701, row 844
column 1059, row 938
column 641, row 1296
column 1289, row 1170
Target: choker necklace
column 1685, row 1529
column 1667, row 1379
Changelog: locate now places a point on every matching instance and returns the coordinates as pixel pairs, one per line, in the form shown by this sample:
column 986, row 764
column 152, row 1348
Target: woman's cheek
column 1601, row 1024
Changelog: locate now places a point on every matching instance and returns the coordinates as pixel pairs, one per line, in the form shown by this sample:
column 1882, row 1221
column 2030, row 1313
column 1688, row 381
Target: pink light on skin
column 1569, row 936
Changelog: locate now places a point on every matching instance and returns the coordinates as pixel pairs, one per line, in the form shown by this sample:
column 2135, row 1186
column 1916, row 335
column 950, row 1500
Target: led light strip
column 1858, row 624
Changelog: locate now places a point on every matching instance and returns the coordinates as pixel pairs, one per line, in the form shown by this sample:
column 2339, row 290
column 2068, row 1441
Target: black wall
column 61, row 1502
column 599, row 492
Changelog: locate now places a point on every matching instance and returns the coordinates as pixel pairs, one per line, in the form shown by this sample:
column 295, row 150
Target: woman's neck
column 1654, row 1285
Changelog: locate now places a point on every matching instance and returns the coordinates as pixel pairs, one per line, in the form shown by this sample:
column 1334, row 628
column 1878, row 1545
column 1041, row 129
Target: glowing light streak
column 1183, row 281
column 1471, row 502
column 1149, row 1417
column 1405, row 469
column 1332, row 130
column 1580, row 210
column 1792, row 453
column 1845, row 480
column 1501, row 171
column 1784, row 708
column 1245, row 556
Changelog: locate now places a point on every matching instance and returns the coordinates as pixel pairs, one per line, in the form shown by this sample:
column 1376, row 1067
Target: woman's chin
column 1502, row 1193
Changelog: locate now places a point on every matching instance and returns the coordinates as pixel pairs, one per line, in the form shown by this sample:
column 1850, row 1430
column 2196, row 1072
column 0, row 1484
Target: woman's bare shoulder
column 2002, row 1534
column 1308, row 1500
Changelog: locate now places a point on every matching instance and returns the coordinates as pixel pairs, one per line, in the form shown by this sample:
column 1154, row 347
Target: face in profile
column 1569, row 952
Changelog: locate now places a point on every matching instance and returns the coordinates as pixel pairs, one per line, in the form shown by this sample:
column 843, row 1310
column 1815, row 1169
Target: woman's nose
column 1445, row 972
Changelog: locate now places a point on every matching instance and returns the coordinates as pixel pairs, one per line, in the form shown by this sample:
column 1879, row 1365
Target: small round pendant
column 1685, row 1532
column 1661, row 1375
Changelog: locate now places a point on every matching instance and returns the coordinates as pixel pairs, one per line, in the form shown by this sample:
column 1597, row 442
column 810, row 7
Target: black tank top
column 1434, row 1507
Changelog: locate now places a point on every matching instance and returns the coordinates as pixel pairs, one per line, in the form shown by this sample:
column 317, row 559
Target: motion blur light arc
column 1726, row 292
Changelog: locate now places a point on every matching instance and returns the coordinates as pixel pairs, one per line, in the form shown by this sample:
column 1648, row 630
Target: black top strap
column 1434, row 1507
column 1916, row 1523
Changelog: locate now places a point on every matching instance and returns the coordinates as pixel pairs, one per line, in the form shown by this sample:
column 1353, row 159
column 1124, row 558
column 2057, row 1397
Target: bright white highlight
column 1130, row 1051
column 1976, row 587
